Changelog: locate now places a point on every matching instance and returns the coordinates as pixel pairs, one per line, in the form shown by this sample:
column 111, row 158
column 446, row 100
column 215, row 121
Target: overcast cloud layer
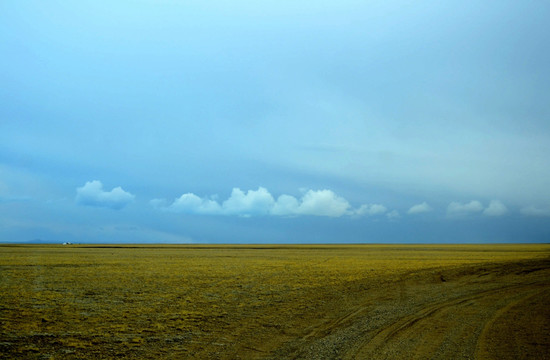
column 376, row 121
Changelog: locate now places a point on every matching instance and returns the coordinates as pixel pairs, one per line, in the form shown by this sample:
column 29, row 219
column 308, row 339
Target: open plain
column 275, row 301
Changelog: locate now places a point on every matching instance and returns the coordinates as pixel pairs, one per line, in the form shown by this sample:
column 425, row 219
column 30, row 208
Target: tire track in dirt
column 326, row 328
column 450, row 329
column 529, row 318
column 452, row 319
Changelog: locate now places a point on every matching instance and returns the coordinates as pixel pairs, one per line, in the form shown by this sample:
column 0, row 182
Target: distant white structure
column 67, row 243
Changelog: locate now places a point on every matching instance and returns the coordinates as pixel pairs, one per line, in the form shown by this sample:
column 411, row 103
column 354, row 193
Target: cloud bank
column 260, row 202
column 92, row 194
column 324, row 202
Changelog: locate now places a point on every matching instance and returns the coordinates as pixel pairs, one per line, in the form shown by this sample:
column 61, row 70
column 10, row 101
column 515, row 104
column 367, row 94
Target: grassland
column 309, row 301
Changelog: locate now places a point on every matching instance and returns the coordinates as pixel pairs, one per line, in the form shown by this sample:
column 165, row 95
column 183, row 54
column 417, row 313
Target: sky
column 275, row 121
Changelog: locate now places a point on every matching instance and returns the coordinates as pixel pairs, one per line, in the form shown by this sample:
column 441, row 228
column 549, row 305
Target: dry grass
column 198, row 301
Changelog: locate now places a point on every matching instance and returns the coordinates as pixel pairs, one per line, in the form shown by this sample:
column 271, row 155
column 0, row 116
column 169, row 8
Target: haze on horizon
column 274, row 122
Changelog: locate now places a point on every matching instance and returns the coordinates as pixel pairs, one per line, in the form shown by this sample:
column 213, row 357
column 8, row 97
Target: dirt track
column 489, row 312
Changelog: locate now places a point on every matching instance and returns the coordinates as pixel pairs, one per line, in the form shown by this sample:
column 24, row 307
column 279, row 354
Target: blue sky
column 274, row 121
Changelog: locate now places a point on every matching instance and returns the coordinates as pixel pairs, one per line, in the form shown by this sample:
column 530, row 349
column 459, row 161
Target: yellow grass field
column 274, row 301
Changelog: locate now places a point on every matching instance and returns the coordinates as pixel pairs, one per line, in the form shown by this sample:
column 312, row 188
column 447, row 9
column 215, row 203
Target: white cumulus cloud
column 261, row 202
column 253, row 202
column 456, row 208
column 323, row 203
column 92, row 194
column 420, row 208
column 285, row 205
column 495, row 208
column 191, row 203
